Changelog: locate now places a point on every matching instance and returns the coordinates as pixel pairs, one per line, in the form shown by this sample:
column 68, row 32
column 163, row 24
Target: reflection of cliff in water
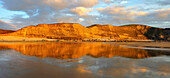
column 3, row 47
column 77, row 50
column 158, row 52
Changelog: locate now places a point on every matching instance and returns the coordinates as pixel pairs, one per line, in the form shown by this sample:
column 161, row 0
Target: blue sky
column 20, row 13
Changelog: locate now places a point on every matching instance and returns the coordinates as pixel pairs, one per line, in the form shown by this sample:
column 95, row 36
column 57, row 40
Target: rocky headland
column 77, row 32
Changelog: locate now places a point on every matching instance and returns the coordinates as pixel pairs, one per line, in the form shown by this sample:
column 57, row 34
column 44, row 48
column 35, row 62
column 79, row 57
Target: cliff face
column 60, row 30
column 120, row 32
column 77, row 31
column 5, row 31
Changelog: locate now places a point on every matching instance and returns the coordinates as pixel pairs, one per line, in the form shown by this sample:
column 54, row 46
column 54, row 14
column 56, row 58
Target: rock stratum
column 75, row 31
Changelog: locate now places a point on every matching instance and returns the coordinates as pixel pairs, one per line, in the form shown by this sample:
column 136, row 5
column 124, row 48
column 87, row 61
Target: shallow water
column 81, row 60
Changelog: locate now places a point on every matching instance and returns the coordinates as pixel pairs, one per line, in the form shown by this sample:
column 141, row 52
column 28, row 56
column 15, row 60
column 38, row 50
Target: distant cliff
column 5, row 31
column 71, row 31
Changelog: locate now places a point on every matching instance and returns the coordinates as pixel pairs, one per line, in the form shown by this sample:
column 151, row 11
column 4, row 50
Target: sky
column 15, row 14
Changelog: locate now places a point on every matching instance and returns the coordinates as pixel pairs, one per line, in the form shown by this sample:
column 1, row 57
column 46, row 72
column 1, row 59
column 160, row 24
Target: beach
column 82, row 60
column 28, row 39
column 23, row 39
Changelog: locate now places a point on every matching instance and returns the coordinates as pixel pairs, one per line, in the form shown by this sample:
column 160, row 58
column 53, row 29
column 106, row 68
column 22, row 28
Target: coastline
column 24, row 39
column 146, row 43
column 38, row 39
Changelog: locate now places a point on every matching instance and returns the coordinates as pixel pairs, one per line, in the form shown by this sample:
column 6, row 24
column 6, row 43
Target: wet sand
column 16, row 67
column 14, row 64
column 145, row 44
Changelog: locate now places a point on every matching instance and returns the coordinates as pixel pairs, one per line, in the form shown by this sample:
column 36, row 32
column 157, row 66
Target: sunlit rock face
column 71, row 31
column 120, row 32
column 60, row 30
column 5, row 31
column 76, row 50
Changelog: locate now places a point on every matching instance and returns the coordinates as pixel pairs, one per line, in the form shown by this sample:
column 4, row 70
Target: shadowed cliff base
column 5, row 31
column 76, row 32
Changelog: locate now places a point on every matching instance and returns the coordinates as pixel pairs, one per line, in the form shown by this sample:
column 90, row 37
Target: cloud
column 118, row 15
column 87, row 3
column 58, row 4
column 5, row 25
column 157, row 15
column 163, row 2
column 123, row 2
column 107, row 1
column 117, row 10
column 163, row 13
column 48, row 11
column 81, row 11
column 86, row 12
column 115, row 1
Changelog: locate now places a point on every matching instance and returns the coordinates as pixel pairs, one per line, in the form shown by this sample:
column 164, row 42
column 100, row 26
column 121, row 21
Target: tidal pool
column 81, row 60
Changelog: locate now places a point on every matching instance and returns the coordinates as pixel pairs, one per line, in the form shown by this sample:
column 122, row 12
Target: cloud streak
column 8, row 24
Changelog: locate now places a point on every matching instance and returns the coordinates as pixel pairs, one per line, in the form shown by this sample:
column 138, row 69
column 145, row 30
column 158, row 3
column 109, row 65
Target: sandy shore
column 23, row 39
column 27, row 39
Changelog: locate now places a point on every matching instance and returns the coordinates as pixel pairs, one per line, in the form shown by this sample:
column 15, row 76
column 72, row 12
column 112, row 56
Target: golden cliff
column 75, row 31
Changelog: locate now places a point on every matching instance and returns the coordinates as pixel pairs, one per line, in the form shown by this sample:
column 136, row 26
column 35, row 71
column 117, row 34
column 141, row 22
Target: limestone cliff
column 71, row 31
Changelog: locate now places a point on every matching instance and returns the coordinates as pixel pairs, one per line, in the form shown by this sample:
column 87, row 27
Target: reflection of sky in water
column 114, row 67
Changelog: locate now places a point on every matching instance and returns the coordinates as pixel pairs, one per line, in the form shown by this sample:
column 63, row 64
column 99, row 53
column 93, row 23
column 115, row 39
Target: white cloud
column 115, row 1
column 107, row 1
column 120, row 11
column 123, row 2
column 87, row 3
column 163, row 13
column 81, row 11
